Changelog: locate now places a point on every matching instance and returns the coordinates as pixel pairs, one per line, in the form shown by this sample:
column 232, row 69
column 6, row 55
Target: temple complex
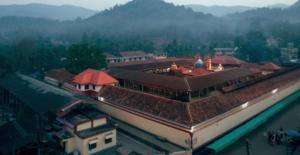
column 190, row 102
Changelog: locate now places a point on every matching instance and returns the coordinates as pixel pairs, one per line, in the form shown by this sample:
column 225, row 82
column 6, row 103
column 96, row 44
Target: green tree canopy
column 5, row 66
column 253, row 47
column 83, row 56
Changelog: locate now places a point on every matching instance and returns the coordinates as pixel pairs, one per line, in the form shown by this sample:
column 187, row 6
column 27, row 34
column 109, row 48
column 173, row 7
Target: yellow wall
column 206, row 131
column 84, row 126
column 83, row 143
column 70, row 145
column 173, row 135
column 99, row 122
column 233, row 118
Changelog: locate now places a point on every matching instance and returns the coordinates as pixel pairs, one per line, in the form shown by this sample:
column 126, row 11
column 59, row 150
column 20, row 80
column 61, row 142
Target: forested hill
column 296, row 5
column 219, row 10
column 291, row 14
column 64, row 12
column 34, row 44
column 150, row 10
column 157, row 16
column 153, row 20
column 143, row 18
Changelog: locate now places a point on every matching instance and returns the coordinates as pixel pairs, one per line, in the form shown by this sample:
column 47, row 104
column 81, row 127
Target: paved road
column 287, row 119
column 129, row 144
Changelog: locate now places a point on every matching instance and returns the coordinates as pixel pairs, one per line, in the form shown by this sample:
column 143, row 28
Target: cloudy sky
column 102, row 4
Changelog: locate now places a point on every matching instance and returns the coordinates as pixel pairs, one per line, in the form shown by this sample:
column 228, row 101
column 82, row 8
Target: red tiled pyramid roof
column 91, row 76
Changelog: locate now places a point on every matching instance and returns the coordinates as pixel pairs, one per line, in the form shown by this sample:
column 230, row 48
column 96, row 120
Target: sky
column 103, row 4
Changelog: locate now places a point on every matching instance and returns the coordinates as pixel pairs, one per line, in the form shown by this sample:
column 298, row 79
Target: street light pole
column 248, row 146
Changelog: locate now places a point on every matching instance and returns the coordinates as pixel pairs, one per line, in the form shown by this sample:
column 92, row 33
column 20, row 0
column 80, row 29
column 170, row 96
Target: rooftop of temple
column 187, row 79
column 188, row 114
column 188, row 91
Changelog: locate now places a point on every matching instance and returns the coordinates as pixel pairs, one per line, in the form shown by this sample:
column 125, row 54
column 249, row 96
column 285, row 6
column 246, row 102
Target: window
column 94, row 87
column 92, row 146
column 108, row 140
column 86, row 87
column 79, row 86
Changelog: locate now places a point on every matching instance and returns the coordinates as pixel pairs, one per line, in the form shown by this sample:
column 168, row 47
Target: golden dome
column 173, row 67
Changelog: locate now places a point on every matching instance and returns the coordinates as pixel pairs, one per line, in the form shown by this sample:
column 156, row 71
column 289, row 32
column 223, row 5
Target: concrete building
column 290, row 53
column 87, row 131
column 128, row 56
column 225, row 51
column 36, row 106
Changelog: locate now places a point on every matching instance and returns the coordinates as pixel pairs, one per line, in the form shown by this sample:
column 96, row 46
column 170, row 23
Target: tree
column 253, row 47
column 4, row 66
column 83, row 56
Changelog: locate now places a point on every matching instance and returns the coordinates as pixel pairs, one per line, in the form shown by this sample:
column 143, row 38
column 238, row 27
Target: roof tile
column 91, row 76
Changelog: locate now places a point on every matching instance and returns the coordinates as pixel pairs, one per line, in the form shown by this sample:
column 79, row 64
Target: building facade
column 129, row 56
column 86, row 132
column 290, row 53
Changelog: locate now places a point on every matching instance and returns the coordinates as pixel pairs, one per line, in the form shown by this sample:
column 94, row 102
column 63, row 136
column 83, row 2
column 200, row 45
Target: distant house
column 225, row 51
column 158, row 56
column 128, row 56
column 290, row 53
column 112, row 59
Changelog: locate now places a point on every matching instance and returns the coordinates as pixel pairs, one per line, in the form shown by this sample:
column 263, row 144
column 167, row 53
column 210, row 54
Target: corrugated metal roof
column 39, row 96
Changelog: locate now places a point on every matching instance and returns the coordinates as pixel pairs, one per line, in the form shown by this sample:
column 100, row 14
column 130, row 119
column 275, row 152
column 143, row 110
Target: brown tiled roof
column 155, row 80
column 226, row 60
column 220, row 104
column 255, row 68
column 89, row 93
column 192, row 113
column 147, row 104
column 178, row 83
column 270, row 67
column 213, row 79
column 61, row 75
